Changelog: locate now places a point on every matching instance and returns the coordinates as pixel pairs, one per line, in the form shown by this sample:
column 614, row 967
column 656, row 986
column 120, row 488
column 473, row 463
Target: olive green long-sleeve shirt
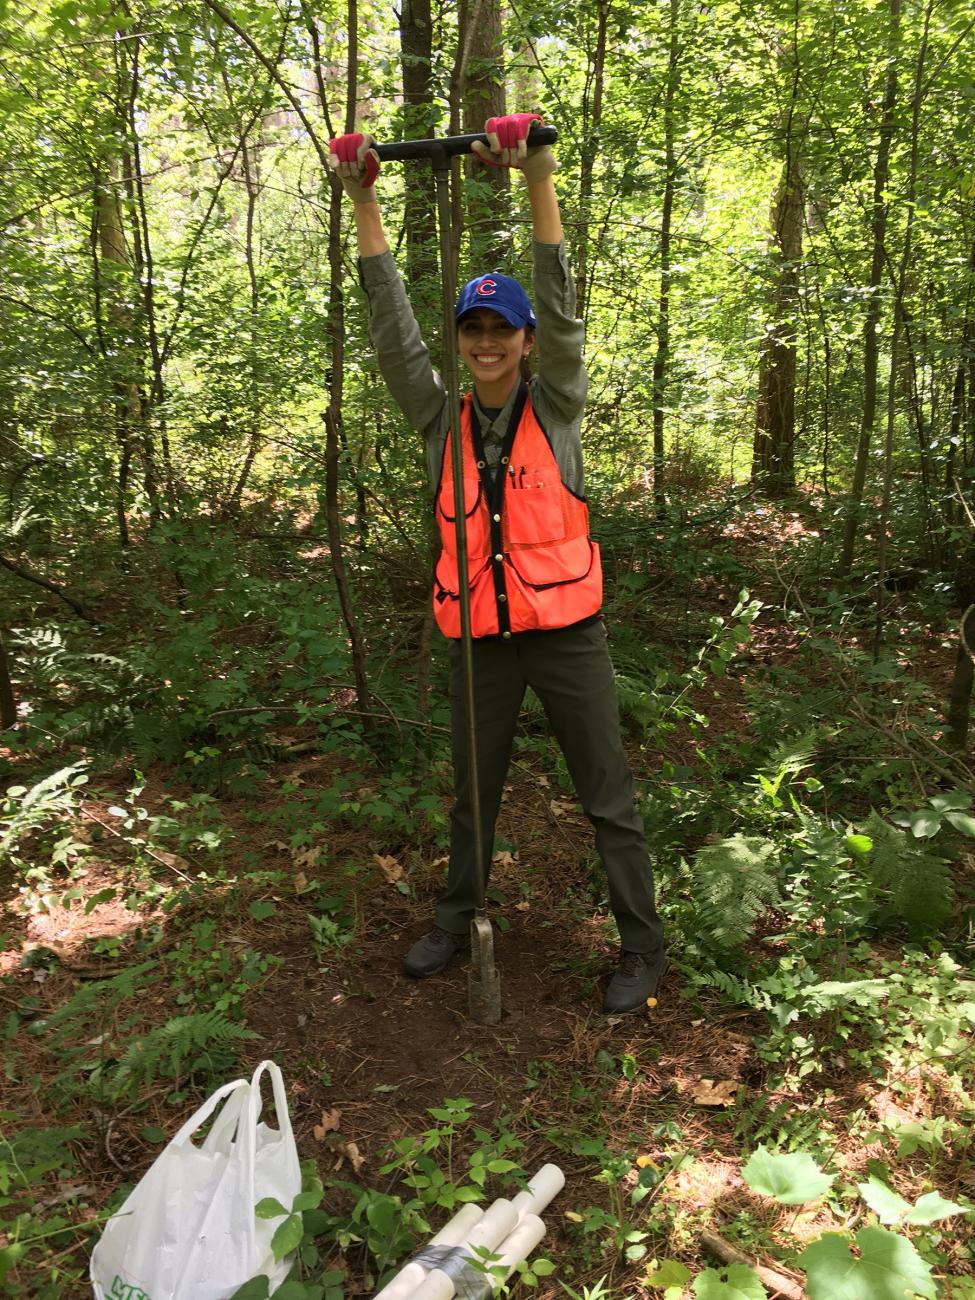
column 558, row 389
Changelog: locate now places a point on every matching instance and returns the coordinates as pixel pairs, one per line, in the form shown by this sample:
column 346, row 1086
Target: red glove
column 356, row 164
column 507, row 146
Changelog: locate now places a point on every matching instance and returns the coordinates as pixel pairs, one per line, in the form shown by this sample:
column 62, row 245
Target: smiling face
column 492, row 350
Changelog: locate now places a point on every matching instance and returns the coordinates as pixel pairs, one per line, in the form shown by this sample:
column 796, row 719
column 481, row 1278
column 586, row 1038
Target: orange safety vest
column 530, row 560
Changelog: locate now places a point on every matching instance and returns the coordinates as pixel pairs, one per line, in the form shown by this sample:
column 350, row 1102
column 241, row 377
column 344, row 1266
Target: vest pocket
column 472, row 496
column 543, row 567
column 533, row 507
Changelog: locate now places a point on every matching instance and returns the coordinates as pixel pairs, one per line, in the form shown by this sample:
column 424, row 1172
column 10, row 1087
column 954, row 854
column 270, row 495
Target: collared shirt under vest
column 531, row 563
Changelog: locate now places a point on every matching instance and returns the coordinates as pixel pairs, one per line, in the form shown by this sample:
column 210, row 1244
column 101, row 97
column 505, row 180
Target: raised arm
column 561, row 381
column 403, row 357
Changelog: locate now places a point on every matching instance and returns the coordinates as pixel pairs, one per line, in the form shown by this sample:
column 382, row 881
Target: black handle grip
column 449, row 145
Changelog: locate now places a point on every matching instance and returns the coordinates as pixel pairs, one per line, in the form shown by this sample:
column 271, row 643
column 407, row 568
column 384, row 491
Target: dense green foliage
column 223, row 712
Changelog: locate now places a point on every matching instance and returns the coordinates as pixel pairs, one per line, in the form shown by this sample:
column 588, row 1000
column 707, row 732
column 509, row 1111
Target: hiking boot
column 430, row 955
column 634, row 981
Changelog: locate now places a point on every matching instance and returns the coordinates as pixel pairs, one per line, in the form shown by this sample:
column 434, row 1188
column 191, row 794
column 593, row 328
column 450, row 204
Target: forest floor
column 302, row 942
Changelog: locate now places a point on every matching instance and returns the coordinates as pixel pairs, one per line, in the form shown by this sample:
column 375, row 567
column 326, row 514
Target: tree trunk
column 773, row 459
column 419, row 119
column 144, row 273
column 482, row 96
column 8, row 703
column 111, row 265
column 960, row 694
column 871, row 327
column 592, row 116
column 661, row 358
column 333, row 413
column 252, row 185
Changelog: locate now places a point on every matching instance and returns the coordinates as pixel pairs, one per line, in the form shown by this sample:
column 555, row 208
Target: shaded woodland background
column 223, row 721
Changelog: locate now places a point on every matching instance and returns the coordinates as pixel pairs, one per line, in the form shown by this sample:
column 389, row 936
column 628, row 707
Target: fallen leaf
column 300, row 882
column 523, row 906
column 330, row 1122
column 351, row 1153
column 504, row 858
column 390, row 868
column 171, row 860
column 306, row 857
column 439, row 862
column 709, row 1093
column 559, row 808
column 543, row 780
column 646, row 1162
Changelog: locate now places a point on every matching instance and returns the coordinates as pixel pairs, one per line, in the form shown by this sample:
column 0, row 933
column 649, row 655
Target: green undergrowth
column 813, row 847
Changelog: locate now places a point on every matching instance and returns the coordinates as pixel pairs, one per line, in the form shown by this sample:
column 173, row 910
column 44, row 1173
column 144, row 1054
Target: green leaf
column 269, row 1208
column 667, row 1272
column 791, row 1179
column 287, row 1236
column 543, row 1267
column 859, row 844
column 103, row 896
column 501, row 1166
column 255, row 1289
column 736, row 1282
column 889, row 1268
column 309, row 1200
column 153, row 1133
column 886, row 1204
column 261, row 909
column 932, row 1207
column 316, row 1222
column 956, row 800
column 924, row 823
column 963, row 822
column 293, row 1290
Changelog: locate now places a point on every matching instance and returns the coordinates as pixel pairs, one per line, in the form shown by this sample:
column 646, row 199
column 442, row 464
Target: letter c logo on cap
column 487, row 287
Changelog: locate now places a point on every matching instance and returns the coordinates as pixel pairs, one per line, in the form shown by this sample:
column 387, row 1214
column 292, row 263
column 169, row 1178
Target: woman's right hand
column 356, row 163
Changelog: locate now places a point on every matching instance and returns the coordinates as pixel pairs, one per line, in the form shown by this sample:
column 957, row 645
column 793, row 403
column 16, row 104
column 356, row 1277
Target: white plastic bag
column 188, row 1230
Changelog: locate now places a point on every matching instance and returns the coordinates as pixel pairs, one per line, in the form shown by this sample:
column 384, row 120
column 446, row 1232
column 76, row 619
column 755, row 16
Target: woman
column 534, row 573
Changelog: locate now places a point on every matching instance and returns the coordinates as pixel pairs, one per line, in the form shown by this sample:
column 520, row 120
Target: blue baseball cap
column 502, row 294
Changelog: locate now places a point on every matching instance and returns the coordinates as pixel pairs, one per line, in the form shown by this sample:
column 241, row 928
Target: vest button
column 480, row 464
column 505, row 636
column 502, row 596
column 504, row 460
column 497, row 519
column 498, row 558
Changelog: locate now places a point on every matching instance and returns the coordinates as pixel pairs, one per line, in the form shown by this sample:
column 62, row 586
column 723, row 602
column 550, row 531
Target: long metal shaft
column 484, row 982
column 441, row 168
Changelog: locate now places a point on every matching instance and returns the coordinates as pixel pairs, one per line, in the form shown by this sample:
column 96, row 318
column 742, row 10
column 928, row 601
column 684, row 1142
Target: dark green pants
column 571, row 673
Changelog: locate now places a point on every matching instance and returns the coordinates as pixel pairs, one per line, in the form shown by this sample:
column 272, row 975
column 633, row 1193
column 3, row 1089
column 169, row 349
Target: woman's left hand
column 508, row 147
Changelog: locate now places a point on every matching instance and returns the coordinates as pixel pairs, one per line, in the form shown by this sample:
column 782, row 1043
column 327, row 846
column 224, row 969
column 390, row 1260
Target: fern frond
column 94, row 1003
column 733, row 988
column 204, row 1040
column 913, row 884
column 734, row 882
column 792, row 755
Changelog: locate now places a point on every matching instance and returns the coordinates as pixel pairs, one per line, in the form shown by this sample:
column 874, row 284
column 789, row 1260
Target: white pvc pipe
column 517, row 1247
column 410, row 1283
column 453, row 1233
column 499, row 1222
column 542, row 1188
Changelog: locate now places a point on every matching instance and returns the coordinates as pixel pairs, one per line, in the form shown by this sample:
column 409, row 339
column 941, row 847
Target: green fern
column 204, row 1041
column 97, row 1002
column 734, row 881
column 26, row 810
column 786, row 760
column 735, row 989
column 913, row 884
